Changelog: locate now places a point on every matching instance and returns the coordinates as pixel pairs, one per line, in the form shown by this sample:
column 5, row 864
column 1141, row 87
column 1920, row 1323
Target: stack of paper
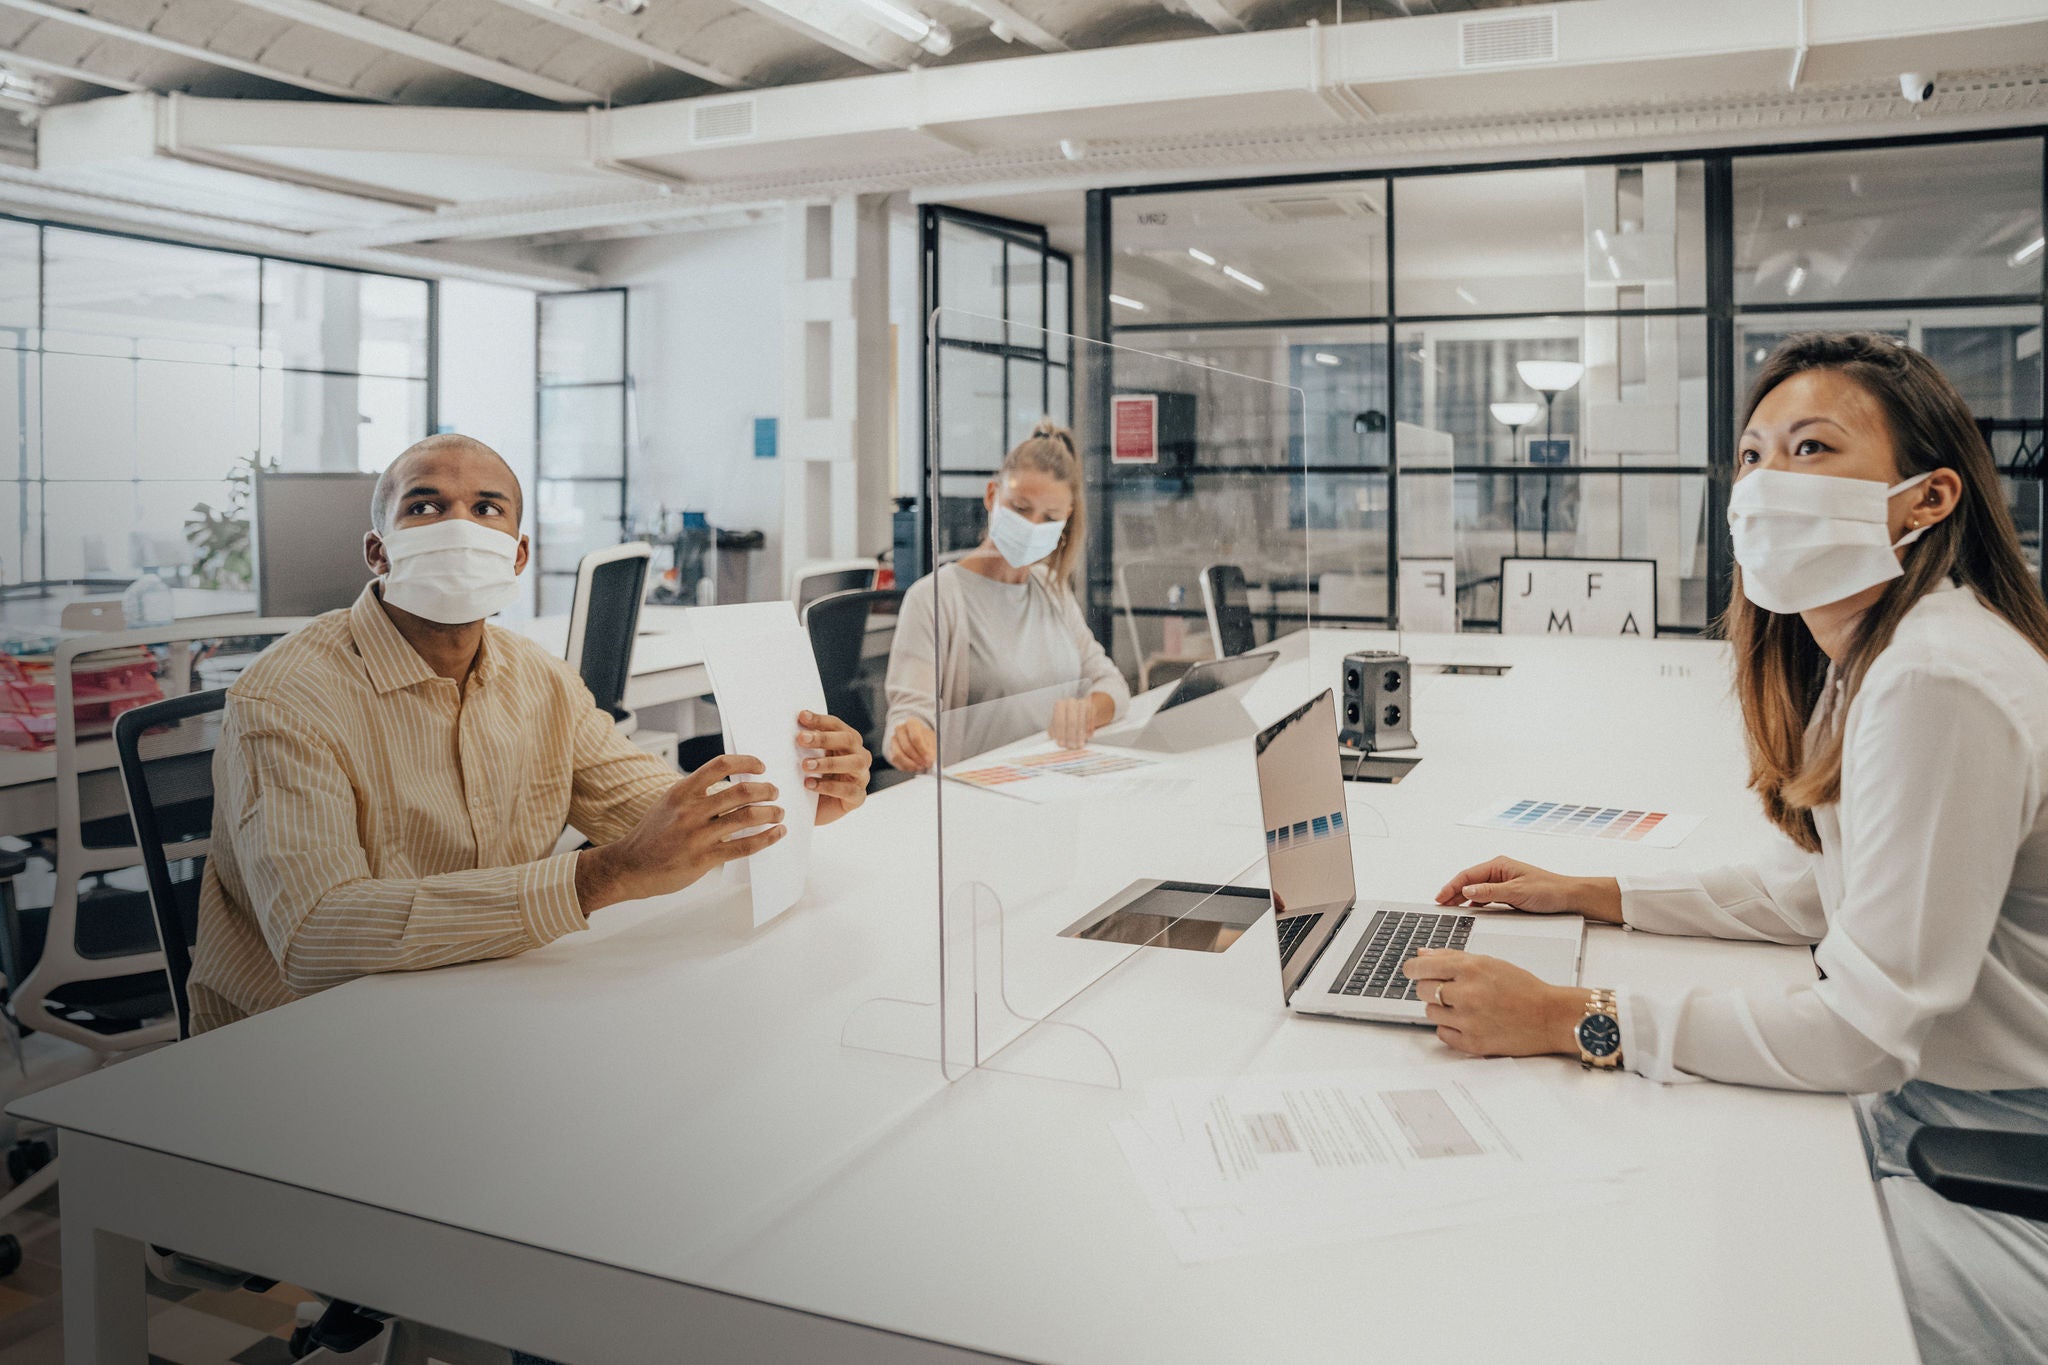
column 1262, row 1164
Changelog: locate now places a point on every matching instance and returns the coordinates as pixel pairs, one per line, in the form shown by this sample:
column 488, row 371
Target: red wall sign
column 1136, row 426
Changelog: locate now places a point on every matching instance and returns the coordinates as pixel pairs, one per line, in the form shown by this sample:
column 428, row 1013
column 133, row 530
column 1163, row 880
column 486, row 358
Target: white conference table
column 651, row 1141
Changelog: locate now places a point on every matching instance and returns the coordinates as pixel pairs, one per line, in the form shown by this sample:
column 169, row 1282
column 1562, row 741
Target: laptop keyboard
column 1293, row 931
column 1394, row 936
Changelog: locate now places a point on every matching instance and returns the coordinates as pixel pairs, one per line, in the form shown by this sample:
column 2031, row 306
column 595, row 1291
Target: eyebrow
column 1802, row 422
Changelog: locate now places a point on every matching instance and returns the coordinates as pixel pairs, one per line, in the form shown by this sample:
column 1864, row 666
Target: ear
column 374, row 553
column 1938, row 497
column 519, row 560
column 988, row 497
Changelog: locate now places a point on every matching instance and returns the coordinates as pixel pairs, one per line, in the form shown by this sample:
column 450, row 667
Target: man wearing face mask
column 391, row 779
column 998, row 633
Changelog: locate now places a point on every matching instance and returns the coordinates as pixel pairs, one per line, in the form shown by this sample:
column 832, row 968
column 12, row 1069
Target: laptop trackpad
column 1553, row 959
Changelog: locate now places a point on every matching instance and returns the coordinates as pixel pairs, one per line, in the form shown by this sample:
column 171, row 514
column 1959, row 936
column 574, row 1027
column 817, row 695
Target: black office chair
column 1229, row 607
column 838, row 624
column 1984, row 1168
column 604, row 618
column 166, row 755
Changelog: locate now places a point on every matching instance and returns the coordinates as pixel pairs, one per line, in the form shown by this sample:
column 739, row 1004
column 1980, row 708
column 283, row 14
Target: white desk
column 649, row 1143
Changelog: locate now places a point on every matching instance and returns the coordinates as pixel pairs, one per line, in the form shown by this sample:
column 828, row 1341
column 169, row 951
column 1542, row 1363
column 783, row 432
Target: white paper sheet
column 762, row 674
column 1266, row 1164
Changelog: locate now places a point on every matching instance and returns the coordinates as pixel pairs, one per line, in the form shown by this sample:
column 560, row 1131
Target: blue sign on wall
column 1550, row 452
column 764, row 438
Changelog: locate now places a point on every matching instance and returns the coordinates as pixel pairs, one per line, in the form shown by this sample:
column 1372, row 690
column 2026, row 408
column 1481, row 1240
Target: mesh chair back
column 166, row 751
column 838, row 627
column 604, row 619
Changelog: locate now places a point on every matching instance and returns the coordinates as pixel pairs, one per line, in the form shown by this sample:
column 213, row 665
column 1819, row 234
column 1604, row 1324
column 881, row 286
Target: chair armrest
column 1984, row 1168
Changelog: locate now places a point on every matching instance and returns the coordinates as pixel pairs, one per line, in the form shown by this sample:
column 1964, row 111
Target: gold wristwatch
column 1599, row 1033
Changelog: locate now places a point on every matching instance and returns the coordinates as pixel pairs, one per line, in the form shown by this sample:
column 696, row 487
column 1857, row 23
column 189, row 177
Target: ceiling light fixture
column 1795, row 280
column 2027, row 252
column 1466, row 295
column 908, row 24
column 1204, row 257
column 1120, row 301
column 624, row 6
column 1325, row 358
column 1613, row 266
column 17, row 88
column 1244, row 279
column 1600, row 239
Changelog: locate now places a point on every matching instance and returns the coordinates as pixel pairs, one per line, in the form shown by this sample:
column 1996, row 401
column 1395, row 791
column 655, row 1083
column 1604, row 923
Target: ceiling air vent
column 1512, row 40
column 1311, row 208
column 726, row 121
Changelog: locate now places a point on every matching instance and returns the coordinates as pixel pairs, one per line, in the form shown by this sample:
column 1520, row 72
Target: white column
column 838, row 471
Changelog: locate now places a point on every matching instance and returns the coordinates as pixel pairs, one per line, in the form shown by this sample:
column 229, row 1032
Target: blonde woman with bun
column 998, row 632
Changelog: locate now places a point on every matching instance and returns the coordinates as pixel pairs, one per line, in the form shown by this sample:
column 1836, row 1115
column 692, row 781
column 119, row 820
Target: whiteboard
column 1578, row 597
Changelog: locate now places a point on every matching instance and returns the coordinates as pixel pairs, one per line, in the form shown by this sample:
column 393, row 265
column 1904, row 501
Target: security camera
column 1915, row 87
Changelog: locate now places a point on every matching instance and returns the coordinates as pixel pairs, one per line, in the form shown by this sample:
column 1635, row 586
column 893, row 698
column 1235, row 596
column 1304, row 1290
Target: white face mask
column 453, row 572
column 1021, row 541
column 1804, row 540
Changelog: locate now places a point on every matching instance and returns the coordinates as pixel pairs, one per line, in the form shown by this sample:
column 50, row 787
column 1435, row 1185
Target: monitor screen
column 309, row 541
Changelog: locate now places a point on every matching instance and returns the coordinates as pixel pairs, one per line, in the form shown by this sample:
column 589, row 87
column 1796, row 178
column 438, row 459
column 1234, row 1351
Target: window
column 585, row 398
column 140, row 379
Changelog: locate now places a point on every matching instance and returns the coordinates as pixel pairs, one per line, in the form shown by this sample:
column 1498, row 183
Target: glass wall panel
column 343, row 321
column 1024, row 289
column 971, row 284
column 971, row 409
column 1314, row 250
column 1566, row 237
column 20, row 296
column 1992, row 354
column 340, row 422
column 101, row 291
column 586, row 339
column 1950, row 220
column 584, row 431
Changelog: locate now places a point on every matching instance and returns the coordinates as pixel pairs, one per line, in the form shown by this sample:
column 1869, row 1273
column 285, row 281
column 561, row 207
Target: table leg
column 106, row 1301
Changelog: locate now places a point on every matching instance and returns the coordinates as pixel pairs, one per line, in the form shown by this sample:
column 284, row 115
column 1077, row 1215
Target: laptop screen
column 1308, row 837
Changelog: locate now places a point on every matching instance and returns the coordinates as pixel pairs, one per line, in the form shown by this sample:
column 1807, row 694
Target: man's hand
column 913, row 747
column 685, row 834
column 839, row 775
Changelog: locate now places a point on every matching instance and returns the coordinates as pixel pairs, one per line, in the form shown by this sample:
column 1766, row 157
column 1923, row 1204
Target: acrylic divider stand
column 1030, row 838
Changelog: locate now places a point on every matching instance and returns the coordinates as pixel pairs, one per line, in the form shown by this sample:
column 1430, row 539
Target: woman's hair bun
column 1046, row 427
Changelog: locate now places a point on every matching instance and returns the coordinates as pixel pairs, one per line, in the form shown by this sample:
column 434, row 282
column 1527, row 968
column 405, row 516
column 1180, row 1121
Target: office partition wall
column 583, row 398
column 139, row 379
column 1407, row 304
column 999, row 360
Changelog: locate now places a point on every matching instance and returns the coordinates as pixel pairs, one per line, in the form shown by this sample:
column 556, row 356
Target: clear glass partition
column 1094, row 791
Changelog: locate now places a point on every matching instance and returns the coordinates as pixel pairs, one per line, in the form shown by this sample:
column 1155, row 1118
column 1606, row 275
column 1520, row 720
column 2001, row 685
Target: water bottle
column 147, row 602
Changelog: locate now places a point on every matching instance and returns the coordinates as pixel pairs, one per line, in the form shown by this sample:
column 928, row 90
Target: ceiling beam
column 805, row 17
column 404, row 43
column 93, row 24
column 1214, row 13
column 1001, row 15
column 72, row 73
column 559, row 13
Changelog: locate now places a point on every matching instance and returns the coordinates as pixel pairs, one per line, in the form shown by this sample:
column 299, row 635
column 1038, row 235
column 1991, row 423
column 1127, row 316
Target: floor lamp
column 1549, row 378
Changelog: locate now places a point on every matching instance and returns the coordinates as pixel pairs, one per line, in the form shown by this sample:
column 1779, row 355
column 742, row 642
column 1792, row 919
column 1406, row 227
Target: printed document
column 762, row 674
column 1258, row 1164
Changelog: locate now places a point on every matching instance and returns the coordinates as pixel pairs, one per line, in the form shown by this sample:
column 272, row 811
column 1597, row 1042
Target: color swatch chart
column 1654, row 828
column 1047, row 776
column 1303, row 832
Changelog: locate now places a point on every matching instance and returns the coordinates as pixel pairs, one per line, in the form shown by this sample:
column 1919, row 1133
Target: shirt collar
column 391, row 661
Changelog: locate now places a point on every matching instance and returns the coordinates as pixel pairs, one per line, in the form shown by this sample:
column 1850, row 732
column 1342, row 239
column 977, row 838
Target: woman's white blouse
column 1928, row 902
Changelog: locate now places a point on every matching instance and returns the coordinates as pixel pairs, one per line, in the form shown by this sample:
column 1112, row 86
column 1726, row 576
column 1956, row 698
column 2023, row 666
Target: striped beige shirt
column 371, row 817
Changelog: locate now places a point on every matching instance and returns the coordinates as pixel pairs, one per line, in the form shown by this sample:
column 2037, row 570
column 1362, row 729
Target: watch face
column 1599, row 1035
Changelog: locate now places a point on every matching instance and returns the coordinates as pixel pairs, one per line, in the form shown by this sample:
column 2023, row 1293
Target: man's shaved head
column 416, row 459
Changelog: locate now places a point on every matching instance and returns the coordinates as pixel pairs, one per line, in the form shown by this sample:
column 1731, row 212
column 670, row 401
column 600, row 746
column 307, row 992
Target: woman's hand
column 1075, row 720
column 913, row 747
column 1503, row 881
column 840, row 774
column 1492, row 1008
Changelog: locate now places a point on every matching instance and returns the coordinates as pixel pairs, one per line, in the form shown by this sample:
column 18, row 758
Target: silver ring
column 1440, row 996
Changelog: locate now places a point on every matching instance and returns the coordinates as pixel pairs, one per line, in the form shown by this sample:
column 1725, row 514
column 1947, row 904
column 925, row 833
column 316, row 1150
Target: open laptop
column 1343, row 956
column 1205, row 707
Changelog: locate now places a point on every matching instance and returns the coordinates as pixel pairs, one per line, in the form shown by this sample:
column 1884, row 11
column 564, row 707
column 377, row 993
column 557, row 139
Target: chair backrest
column 93, row 613
column 605, row 617
column 809, row 582
column 838, row 626
column 1230, row 610
column 91, row 940
column 309, row 540
column 1161, row 598
column 166, row 751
